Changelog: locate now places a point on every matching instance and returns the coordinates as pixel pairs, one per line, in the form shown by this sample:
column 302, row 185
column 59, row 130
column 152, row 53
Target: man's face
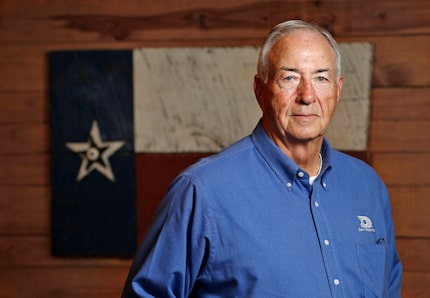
column 302, row 91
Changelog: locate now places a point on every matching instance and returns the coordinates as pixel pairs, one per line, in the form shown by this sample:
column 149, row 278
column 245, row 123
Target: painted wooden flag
column 93, row 163
column 126, row 122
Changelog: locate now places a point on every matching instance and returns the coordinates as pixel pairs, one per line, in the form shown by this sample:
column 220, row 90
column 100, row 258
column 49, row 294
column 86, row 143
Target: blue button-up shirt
column 247, row 223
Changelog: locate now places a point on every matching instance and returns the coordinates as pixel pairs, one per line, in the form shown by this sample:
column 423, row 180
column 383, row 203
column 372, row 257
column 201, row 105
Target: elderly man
column 279, row 213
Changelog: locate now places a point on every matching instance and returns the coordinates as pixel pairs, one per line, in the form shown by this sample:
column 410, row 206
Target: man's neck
column 306, row 154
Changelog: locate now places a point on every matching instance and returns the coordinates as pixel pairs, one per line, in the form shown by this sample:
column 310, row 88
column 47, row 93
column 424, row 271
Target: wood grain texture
column 403, row 169
column 399, row 61
column 24, row 210
column 416, row 284
column 23, row 107
column 400, row 70
column 414, row 253
column 244, row 19
column 24, row 170
column 398, row 30
column 399, row 136
column 400, row 104
column 24, row 138
column 34, row 251
column 411, row 208
column 65, row 282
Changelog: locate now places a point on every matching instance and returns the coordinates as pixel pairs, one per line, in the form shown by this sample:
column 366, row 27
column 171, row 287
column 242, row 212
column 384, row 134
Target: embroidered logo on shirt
column 365, row 224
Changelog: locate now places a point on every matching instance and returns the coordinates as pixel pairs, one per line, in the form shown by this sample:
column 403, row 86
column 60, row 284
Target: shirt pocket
column 372, row 262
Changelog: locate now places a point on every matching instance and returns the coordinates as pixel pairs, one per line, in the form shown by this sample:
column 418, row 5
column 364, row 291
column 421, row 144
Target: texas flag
column 124, row 123
column 120, row 133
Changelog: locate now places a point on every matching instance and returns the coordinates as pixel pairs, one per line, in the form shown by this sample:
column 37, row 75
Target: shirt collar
column 281, row 164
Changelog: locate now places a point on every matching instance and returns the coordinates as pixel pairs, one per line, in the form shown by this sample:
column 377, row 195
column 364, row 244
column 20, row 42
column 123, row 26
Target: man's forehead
column 300, row 50
column 301, row 40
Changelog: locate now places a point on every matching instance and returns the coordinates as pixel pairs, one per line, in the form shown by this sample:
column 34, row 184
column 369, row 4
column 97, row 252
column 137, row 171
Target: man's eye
column 288, row 78
column 321, row 78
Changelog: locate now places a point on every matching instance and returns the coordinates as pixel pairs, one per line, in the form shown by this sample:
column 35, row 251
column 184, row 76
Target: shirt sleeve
column 395, row 270
column 174, row 249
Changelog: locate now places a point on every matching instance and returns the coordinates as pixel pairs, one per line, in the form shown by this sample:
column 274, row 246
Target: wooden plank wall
column 399, row 132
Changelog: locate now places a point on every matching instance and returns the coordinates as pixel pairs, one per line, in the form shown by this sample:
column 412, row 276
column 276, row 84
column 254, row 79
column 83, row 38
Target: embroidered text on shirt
column 365, row 224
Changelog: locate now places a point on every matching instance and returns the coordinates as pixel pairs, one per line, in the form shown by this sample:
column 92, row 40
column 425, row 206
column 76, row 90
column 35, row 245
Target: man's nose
column 306, row 92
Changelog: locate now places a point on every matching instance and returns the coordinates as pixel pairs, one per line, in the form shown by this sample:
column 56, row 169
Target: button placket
column 323, row 233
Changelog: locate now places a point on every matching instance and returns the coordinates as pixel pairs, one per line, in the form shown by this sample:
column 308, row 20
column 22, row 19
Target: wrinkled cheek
column 276, row 106
column 280, row 117
column 276, row 110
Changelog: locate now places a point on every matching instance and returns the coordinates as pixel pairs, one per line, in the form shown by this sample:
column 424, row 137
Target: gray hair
column 286, row 28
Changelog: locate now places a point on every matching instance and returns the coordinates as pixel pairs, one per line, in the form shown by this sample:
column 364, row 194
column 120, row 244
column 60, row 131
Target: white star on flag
column 95, row 154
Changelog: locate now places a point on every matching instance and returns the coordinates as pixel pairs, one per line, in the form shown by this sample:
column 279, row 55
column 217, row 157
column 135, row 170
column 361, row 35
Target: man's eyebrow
column 322, row 70
column 292, row 69
column 286, row 68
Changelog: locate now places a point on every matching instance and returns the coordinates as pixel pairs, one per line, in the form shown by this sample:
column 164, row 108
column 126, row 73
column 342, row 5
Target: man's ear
column 259, row 90
column 339, row 87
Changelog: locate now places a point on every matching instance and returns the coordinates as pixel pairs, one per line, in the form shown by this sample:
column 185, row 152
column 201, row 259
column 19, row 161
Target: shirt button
column 316, row 204
column 289, row 184
column 324, row 184
column 300, row 174
column 326, row 242
column 336, row 282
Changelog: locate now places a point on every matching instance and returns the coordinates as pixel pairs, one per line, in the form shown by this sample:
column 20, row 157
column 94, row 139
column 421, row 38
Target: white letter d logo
column 365, row 222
